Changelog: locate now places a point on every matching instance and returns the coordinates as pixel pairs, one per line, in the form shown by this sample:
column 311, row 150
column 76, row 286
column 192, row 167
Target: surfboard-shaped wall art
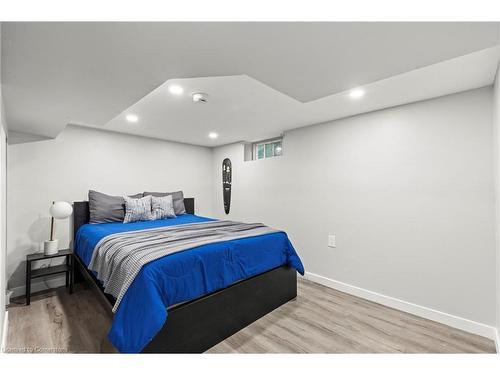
column 226, row 184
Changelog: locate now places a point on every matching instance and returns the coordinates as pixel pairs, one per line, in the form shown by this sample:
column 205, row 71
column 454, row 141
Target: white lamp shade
column 61, row 210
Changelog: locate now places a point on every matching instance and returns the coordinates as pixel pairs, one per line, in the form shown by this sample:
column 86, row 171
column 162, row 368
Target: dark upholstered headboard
column 81, row 214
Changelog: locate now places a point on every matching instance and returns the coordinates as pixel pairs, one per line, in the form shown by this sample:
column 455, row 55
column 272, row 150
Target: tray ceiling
column 262, row 78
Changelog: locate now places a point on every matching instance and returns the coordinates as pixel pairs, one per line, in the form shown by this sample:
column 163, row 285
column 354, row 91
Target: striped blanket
column 118, row 258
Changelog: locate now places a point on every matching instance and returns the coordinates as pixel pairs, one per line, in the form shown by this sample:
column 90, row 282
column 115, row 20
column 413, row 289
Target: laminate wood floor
column 320, row 320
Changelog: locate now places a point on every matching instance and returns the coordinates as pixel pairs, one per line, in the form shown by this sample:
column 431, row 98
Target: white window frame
column 264, row 143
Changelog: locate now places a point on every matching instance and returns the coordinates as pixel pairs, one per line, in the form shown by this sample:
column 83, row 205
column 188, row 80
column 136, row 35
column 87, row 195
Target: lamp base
column 50, row 247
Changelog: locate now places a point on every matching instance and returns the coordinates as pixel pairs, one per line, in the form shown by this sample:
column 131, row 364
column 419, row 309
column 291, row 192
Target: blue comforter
column 181, row 276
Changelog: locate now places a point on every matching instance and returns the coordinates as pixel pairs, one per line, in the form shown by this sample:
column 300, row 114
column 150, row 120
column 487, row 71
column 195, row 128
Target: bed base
column 197, row 325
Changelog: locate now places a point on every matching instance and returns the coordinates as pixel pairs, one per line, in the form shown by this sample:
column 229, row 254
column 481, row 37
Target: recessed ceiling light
column 357, row 93
column 213, row 135
column 176, row 89
column 200, row 97
column 132, row 118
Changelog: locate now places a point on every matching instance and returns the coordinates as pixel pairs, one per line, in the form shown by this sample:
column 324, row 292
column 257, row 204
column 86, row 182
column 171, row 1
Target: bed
column 190, row 300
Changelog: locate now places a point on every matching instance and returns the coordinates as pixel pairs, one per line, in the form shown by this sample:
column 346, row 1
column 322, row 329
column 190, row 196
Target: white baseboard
column 39, row 285
column 424, row 312
column 5, row 331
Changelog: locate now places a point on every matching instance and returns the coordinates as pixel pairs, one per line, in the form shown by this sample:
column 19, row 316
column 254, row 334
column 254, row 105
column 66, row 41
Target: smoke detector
column 200, row 97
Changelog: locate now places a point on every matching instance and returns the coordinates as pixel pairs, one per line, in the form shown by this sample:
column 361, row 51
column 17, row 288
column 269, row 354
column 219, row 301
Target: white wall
column 3, row 212
column 3, row 205
column 408, row 191
column 496, row 129
column 80, row 159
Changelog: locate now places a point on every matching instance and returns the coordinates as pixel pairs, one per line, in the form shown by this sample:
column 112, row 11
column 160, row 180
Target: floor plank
column 319, row 320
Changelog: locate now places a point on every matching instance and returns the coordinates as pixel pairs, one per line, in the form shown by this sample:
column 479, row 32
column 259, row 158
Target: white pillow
column 162, row 207
column 137, row 209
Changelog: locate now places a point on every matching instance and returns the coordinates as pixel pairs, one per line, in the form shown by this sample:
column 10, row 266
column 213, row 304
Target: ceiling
column 262, row 78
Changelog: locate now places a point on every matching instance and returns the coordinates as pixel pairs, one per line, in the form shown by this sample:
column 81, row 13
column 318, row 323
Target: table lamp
column 58, row 210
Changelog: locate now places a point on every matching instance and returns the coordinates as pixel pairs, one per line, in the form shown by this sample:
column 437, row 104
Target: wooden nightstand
column 67, row 268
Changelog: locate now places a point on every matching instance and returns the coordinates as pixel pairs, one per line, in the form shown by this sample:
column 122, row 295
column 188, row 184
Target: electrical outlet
column 332, row 241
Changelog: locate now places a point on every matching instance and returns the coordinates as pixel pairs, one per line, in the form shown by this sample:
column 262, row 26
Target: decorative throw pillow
column 137, row 209
column 162, row 207
column 177, row 198
column 106, row 208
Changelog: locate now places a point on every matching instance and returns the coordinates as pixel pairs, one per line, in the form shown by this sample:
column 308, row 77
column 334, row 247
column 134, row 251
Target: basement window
column 267, row 149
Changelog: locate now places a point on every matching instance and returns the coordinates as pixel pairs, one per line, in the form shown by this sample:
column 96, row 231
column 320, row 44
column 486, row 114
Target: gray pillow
column 106, row 208
column 137, row 209
column 177, row 198
column 162, row 207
